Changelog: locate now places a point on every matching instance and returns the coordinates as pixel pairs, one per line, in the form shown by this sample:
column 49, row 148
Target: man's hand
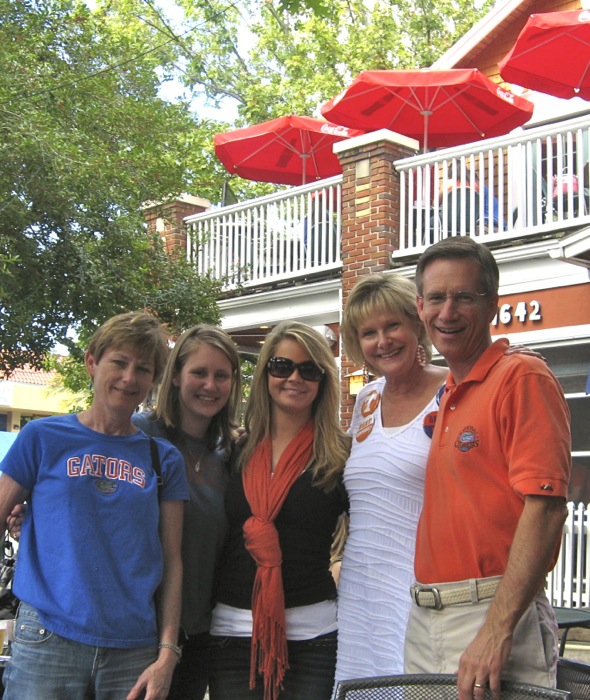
column 535, row 539
column 482, row 662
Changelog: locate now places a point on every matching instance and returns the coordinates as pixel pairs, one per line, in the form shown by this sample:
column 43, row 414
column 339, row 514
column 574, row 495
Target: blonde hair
column 221, row 431
column 331, row 444
column 379, row 293
column 137, row 330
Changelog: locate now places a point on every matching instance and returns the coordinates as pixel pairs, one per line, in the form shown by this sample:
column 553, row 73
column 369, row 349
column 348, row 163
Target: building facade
column 542, row 247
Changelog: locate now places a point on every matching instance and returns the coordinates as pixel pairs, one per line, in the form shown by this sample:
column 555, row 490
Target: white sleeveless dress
column 384, row 478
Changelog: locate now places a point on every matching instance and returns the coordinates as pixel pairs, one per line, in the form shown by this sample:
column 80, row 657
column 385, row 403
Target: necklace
column 196, row 461
column 193, row 460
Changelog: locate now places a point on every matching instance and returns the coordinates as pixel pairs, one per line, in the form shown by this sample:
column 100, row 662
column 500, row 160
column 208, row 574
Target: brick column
column 370, row 216
column 167, row 219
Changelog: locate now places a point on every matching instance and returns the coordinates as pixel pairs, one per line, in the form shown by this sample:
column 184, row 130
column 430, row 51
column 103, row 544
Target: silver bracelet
column 169, row 645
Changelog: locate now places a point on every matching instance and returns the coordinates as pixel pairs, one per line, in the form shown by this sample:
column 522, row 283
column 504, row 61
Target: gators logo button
column 429, row 423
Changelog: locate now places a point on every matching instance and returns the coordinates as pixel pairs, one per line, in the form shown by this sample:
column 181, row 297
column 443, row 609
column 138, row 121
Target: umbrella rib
column 543, row 42
column 312, row 147
column 404, row 103
column 582, row 77
column 580, row 40
column 468, row 118
column 429, row 101
column 276, row 138
column 448, row 100
column 254, row 153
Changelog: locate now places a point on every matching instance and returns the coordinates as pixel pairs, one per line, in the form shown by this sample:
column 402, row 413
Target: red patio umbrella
column 289, row 150
column 552, row 55
column 457, row 106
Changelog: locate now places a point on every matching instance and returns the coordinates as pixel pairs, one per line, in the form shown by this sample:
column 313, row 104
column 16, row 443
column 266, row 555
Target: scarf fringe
column 271, row 666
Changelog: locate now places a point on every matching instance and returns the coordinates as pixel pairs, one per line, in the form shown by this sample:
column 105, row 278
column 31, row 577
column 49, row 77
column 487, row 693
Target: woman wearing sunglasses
column 197, row 405
column 384, row 476
column 274, row 625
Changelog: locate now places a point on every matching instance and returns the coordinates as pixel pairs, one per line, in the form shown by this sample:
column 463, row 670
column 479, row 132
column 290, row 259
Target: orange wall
column 557, row 308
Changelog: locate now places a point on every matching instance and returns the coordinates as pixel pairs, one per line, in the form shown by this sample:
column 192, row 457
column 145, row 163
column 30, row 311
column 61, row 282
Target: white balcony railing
column 536, row 182
column 279, row 237
column 296, row 234
column 568, row 585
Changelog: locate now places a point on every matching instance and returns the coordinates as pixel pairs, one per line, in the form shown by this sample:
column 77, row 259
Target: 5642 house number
column 524, row 310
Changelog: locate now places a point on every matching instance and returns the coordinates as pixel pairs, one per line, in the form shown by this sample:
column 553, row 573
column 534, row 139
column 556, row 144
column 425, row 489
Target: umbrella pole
column 304, row 157
column 425, row 113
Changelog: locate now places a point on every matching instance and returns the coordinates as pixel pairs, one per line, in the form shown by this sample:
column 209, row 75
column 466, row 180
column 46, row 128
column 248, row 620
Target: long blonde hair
column 331, row 444
column 222, row 429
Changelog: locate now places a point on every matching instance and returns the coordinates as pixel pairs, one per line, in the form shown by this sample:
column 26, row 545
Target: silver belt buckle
column 435, row 593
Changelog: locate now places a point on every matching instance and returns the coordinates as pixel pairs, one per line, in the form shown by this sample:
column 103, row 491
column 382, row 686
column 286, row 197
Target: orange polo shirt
column 501, row 434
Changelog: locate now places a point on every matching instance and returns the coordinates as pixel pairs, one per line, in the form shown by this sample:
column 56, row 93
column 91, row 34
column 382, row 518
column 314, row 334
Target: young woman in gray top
column 196, row 410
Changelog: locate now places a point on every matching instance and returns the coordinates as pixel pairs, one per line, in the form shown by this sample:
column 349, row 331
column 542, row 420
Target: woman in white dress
column 384, row 475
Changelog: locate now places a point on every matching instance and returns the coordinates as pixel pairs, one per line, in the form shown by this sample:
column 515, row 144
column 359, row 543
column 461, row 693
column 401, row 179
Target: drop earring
column 421, row 356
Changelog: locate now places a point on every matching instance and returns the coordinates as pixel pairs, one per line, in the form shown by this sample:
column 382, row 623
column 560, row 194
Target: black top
column 305, row 524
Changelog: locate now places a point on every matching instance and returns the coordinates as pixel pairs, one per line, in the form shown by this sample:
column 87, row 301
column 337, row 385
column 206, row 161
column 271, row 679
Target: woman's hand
column 15, row 520
column 155, row 681
column 241, row 437
column 523, row 350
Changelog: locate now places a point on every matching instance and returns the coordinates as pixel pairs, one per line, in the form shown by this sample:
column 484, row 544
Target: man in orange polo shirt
column 495, row 491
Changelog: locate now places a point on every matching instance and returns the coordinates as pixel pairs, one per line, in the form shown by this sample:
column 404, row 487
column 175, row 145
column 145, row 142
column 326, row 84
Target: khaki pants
column 436, row 639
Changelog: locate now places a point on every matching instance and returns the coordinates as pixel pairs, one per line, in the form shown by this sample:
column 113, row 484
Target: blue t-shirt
column 90, row 558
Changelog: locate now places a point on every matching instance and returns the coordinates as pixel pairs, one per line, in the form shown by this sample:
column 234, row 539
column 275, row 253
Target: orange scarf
column 266, row 493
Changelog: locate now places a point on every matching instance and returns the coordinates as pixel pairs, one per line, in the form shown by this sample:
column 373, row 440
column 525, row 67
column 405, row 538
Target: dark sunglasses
column 282, row 367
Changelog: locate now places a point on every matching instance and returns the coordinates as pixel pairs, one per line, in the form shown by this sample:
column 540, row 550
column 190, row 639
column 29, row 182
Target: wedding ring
column 478, row 685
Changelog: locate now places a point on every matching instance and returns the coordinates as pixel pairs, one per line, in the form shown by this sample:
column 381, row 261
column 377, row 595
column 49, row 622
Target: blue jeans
column 312, row 664
column 45, row 665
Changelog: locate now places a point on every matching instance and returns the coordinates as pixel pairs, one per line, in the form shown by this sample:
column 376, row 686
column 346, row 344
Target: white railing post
column 568, row 583
column 517, row 172
column 278, row 237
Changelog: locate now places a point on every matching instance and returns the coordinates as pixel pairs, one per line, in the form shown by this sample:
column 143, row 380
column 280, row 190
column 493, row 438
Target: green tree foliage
column 84, row 141
column 254, row 60
column 85, row 137
column 274, row 57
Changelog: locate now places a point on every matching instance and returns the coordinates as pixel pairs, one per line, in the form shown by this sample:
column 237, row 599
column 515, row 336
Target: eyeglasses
column 282, row 367
column 464, row 300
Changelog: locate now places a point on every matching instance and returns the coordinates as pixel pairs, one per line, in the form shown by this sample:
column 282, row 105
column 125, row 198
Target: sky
column 172, row 90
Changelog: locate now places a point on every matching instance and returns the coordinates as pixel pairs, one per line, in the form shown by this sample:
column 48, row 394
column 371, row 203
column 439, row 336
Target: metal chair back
column 574, row 676
column 433, row 687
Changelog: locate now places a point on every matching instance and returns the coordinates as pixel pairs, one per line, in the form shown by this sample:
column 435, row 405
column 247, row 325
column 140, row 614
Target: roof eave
column 477, row 33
